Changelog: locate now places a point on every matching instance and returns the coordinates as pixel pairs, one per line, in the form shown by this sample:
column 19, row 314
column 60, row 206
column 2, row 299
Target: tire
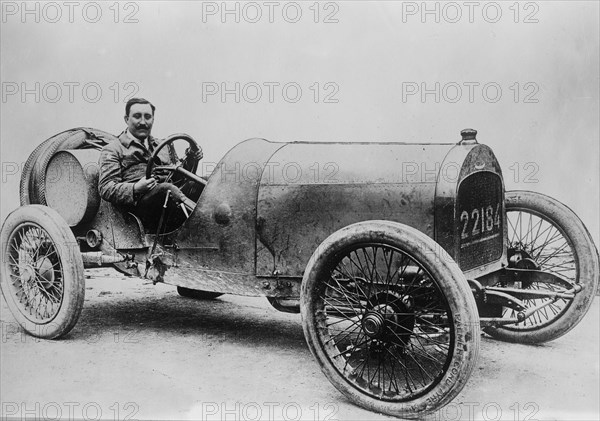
column 353, row 318
column 45, row 294
column 198, row 294
column 569, row 252
column 32, row 186
column 26, row 184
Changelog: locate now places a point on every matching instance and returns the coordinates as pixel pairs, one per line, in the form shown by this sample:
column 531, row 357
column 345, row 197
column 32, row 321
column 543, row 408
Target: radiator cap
column 468, row 136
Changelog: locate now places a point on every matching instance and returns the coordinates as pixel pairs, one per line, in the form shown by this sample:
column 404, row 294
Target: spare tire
column 32, row 188
column 24, row 186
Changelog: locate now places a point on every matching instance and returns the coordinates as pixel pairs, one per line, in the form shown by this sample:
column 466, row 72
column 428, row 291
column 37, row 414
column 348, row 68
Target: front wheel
column 546, row 235
column 390, row 318
column 42, row 271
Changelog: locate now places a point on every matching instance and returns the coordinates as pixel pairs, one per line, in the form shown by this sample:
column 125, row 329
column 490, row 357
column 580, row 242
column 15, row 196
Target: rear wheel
column 198, row 294
column 390, row 318
column 42, row 271
column 544, row 234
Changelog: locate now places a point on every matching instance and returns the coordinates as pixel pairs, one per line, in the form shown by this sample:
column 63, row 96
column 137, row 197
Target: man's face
column 140, row 120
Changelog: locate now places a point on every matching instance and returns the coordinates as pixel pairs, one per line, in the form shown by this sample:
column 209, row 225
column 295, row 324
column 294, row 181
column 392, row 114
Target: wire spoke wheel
column 42, row 271
column 384, row 323
column 35, row 271
column 544, row 234
column 393, row 324
column 535, row 242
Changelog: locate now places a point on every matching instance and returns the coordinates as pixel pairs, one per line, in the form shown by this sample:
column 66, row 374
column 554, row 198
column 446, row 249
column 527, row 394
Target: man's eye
column 137, row 115
column 148, row 116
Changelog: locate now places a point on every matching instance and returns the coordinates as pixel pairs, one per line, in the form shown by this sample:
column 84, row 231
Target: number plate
column 480, row 220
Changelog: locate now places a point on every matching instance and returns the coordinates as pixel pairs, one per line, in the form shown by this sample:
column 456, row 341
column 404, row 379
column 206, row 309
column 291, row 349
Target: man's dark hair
column 137, row 101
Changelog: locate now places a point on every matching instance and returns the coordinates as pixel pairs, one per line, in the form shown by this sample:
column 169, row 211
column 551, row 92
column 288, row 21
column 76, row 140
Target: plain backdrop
column 544, row 56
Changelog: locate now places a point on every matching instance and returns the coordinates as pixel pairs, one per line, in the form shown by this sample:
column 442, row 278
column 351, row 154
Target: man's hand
column 195, row 155
column 144, row 185
column 161, row 175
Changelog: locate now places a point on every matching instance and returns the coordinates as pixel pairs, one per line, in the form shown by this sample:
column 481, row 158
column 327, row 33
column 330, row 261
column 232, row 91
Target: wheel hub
column 373, row 324
column 389, row 317
column 377, row 320
column 45, row 273
column 27, row 273
column 520, row 259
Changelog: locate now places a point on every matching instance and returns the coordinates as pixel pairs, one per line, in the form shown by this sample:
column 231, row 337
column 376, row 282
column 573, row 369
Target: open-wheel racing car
column 394, row 269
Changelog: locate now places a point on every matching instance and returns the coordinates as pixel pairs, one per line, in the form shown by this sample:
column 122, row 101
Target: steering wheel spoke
column 155, row 165
column 172, row 167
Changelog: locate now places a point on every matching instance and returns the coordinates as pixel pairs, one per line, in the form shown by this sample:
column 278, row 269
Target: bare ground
column 142, row 351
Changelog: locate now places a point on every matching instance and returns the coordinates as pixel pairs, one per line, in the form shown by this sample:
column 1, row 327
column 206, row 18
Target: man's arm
column 110, row 183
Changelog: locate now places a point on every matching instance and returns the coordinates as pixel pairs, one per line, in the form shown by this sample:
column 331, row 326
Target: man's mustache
column 141, row 127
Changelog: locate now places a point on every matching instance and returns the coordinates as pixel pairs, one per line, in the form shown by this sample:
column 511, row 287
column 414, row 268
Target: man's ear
column 125, row 118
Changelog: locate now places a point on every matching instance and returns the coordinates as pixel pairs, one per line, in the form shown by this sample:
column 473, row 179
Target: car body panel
column 323, row 187
column 267, row 206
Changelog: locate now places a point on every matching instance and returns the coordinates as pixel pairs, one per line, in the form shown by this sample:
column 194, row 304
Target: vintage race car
column 395, row 254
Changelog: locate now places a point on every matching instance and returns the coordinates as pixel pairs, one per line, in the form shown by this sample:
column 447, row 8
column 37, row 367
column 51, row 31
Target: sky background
column 364, row 56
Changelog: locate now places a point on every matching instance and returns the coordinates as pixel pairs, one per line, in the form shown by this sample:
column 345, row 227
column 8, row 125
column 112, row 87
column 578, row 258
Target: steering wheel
column 177, row 167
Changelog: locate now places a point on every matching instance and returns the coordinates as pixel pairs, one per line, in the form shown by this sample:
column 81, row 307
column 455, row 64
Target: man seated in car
column 123, row 181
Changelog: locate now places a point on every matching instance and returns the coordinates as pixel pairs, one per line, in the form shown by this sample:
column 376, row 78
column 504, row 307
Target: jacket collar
column 127, row 139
